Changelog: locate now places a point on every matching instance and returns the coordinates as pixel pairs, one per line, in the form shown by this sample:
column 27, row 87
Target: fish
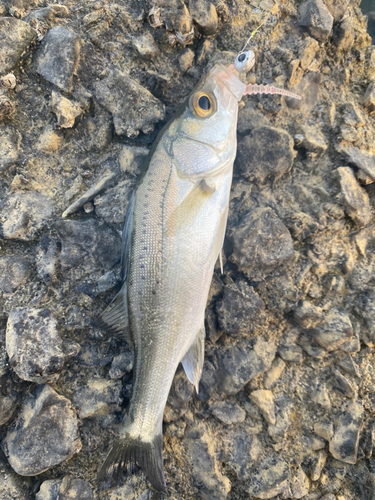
column 173, row 235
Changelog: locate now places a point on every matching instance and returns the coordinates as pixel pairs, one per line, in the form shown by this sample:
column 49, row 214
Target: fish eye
column 203, row 104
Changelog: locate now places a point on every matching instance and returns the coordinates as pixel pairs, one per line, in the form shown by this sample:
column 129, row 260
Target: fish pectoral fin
column 194, row 358
column 115, row 317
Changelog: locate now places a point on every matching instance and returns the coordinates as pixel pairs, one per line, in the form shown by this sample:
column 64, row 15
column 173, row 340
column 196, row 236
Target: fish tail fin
column 127, row 450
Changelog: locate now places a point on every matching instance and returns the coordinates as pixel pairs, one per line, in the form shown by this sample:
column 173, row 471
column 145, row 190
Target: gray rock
column 112, row 205
column 274, row 373
column 324, row 430
column 24, row 215
column 227, row 412
column 15, row 37
column 298, row 486
column 8, row 396
column 57, row 58
column 343, row 384
column 351, row 115
column 46, row 259
column 179, row 397
column 12, row 487
column 271, row 478
column 13, row 271
column 131, row 159
column 362, row 159
column 133, row 107
column 348, row 425
column 9, row 143
column 321, row 397
column 204, row 15
column 346, row 362
column 87, row 245
column 45, row 433
column 369, row 98
column 291, row 353
column 47, row 14
column 239, row 308
column 315, row 16
column 283, row 410
column 336, row 329
column 242, row 451
column 366, row 309
column 49, row 490
column 318, row 464
column 145, row 45
column 33, row 345
column 250, row 118
column 257, row 161
column 240, row 363
column 308, row 89
column 98, row 397
column 264, row 400
column 343, row 35
column 313, row 140
column 207, row 478
column 121, row 364
column 337, row 8
column 75, row 488
column 261, row 242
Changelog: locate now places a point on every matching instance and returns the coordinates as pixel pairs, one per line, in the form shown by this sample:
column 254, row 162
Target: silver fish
column 173, row 235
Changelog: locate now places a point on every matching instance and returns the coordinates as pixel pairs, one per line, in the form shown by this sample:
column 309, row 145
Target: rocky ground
column 286, row 407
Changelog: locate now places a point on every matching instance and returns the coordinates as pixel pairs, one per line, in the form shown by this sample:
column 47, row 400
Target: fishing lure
column 173, row 234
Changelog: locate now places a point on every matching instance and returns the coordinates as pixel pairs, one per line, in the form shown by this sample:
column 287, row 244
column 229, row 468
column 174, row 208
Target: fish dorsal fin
column 193, row 359
column 115, row 318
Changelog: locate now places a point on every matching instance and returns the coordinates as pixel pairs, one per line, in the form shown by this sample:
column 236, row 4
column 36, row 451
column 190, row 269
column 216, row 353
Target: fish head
column 203, row 136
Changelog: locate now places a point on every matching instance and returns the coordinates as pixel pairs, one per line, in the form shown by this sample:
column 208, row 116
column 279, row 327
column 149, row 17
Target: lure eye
column 203, row 104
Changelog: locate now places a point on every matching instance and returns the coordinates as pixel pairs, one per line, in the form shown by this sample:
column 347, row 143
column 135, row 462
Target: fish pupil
column 204, row 103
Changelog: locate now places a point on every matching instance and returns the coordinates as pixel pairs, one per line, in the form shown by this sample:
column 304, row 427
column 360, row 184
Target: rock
column 366, row 307
column 47, row 14
column 336, row 329
column 33, row 345
column 283, row 410
column 306, row 52
column 87, row 245
column 298, row 486
column 343, row 384
column 204, row 15
column 176, row 16
column 324, row 430
column 45, row 433
column 46, row 259
column 186, row 60
column 98, row 130
column 207, row 478
column 57, row 58
column 13, row 272
column 227, row 412
column 337, row 8
column 257, row 161
column 7, row 108
column 65, row 110
column 351, row 115
column 344, row 444
column 90, row 354
column 295, row 72
column 145, row 45
column 274, row 373
column 49, row 141
column 239, row 308
column 291, row 353
column 271, row 478
column 132, row 158
column 261, row 242
column 313, row 140
column 361, row 159
column 314, row 15
column 112, row 205
column 309, row 345
column 241, row 362
column 121, row 364
column 98, row 397
column 242, row 451
column 15, row 37
column 250, row 118
column 343, row 35
column 369, row 98
column 308, row 315
column 74, row 488
column 178, row 398
column 104, row 182
column 318, row 465
column 9, row 144
column 308, row 89
column 264, row 400
column 353, row 197
column 132, row 106
column 12, row 487
column 321, row 397
column 9, row 81
column 49, row 490
column 24, row 215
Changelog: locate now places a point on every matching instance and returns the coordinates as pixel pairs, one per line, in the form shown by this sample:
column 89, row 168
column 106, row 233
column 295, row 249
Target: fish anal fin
column 115, row 318
column 128, row 450
column 194, row 358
